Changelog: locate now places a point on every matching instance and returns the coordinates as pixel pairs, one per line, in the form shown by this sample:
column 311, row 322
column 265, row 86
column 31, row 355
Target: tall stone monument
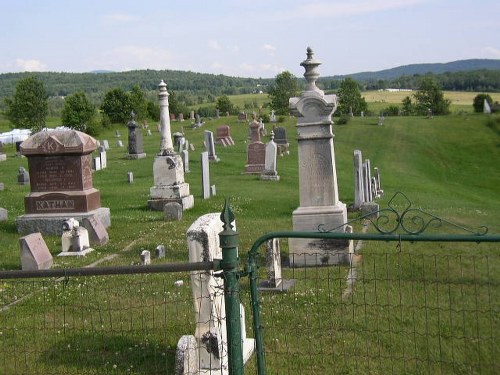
column 168, row 170
column 135, row 141
column 319, row 197
column 60, row 169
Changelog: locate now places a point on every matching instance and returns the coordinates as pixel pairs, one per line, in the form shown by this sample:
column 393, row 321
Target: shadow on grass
column 81, row 353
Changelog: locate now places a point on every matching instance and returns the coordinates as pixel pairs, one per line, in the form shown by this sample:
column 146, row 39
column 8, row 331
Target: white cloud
column 213, row 44
column 269, row 47
column 344, row 8
column 492, row 52
column 31, row 65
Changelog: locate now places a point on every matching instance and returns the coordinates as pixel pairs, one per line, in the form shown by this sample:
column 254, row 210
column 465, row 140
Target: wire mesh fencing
column 389, row 311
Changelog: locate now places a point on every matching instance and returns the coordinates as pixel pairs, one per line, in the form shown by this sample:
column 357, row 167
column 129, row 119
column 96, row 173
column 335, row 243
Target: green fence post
column 230, row 270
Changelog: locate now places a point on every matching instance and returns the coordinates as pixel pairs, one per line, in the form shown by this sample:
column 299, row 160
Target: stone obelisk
column 168, row 170
column 319, row 198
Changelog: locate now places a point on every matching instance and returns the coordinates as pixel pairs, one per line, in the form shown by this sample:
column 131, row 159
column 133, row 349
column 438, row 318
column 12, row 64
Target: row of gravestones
column 367, row 188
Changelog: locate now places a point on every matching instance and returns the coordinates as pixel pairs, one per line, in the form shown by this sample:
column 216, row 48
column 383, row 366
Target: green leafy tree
column 78, row 112
column 176, row 104
column 350, row 99
column 224, row 104
column 138, row 102
column 117, row 105
column 478, row 102
column 408, row 108
column 27, row 109
column 285, row 87
column 429, row 96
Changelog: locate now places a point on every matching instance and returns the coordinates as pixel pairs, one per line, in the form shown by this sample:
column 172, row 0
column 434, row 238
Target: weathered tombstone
column 181, row 116
column 185, row 160
column 60, row 165
column 223, row 136
column 213, row 191
column 172, row 211
column 97, row 163
column 135, row 141
column 160, row 251
column 197, row 123
column 172, row 116
column 168, row 170
column 177, row 136
column 117, row 134
column 75, row 239
column 98, row 235
column 119, row 143
column 376, row 174
column 103, row 157
column 319, row 197
column 105, row 144
column 262, row 128
column 272, row 117
column 256, row 152
column 205, row 175
column 359, row 194
column 207, row 349
column 280, row 138
column 367, row 183
column 35, row 254
column 217, row 113
column 145, row 257
column 191, row 115
column 270, row 173
column 130, row 177
column 242, row 116
column 3, row 214
column 23, row 177
column 210, row 146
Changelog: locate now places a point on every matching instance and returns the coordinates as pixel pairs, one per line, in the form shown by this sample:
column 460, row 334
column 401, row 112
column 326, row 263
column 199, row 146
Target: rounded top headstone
column 57, row 142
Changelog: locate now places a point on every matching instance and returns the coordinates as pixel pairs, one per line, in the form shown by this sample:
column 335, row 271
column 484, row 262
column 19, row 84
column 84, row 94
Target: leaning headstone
column 3, row 214
column 130, row 177
column 135, row 141
column 23, row 177
column 172, row 211
column 160, row 251
column 60, row 165
column 223, row 136
column 210, row 146
column 206, row 351
column 318, row 188
column 35, row 254
column 98, row 235
column 270, row 173
column 205, row 175
column 145, row 257
column 359, row 194
column 119, row 143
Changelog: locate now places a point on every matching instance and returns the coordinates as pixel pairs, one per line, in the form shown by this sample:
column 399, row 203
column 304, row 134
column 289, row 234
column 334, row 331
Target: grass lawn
column 445, row 165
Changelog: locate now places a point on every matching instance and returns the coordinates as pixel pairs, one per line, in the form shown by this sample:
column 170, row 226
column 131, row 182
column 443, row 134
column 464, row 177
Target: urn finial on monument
column 311, row 75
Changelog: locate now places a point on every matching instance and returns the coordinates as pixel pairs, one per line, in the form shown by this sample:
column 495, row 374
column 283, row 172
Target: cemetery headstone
column 168, row 171
column 376, row 173
column 272, row 117
column 262, row 128
column 191, row 115
column 160, row 251
column 367, row 183
column 23, row 177
column 205, row 351
column 205, row 175
column 3, row 214
column 98, row 235
column 145, row 257
column 318, row 188
column 103, row 157
column 381, row 119
column 181, row 116
column 270, row 173
column 97, row 163
column 172, row 116
column 172, row 211
column 256, row 151
column 223, row 136
column 280, row 138
column 119, row 143
column 359, row 194
column 117, row 134
column 105, row 144
column 486, row 107
column 275, row 281
column 130, row 177
column 210, row 146
column 185, row 160
column 60, row 167
column 75, row 239
column 135, row 141
column 35, row 254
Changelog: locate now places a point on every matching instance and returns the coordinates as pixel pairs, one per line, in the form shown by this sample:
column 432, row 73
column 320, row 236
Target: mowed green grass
column 445, row 165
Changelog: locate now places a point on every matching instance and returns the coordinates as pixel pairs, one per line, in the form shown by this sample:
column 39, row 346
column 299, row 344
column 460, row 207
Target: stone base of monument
column 53, row 223
column 305, row 252
column 75, row 253
column 187, row 360
column 269, row 176
column 135, row 156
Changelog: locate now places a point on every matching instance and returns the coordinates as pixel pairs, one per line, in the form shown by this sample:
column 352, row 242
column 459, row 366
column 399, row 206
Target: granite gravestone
column 210, row 146
column 256, row 151
column 270, row 173
column 223, row 136
column 281, row 140
column 60, row 165
column 318, row 189
column 135, row 141
column 35, row 254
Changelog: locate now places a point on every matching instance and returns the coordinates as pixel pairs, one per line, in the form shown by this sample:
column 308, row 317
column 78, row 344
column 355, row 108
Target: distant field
column 456, row 97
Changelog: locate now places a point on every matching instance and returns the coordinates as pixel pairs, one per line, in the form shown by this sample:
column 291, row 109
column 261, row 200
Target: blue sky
column 245, row 38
